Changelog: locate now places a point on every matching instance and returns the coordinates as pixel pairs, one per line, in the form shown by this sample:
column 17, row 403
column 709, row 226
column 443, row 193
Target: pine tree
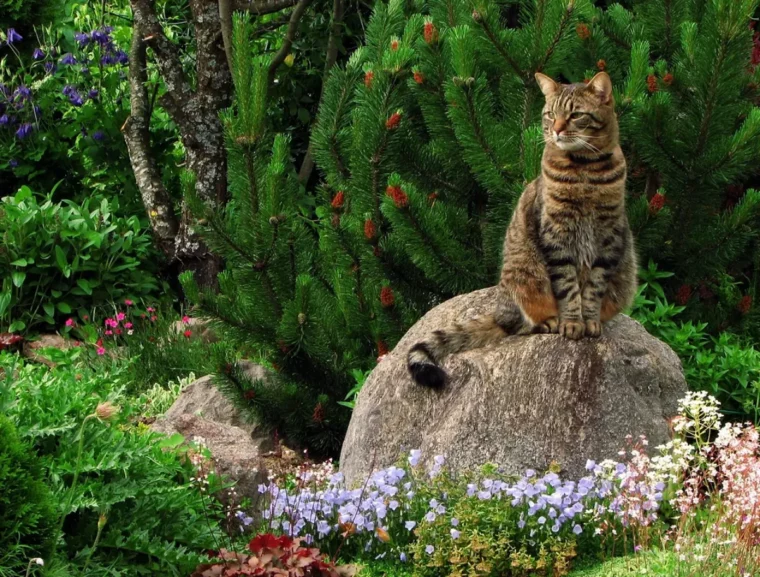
column 425, row 139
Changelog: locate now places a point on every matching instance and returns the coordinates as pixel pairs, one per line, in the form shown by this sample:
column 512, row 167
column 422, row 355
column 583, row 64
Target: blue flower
column 402, row 557
column 122, row 57
column 429, row 549
column 38, row 54
column 4, row 90
column 93, row 93
column 577, row 529
column 13, row 163
column 14, row 36
column 4, row 120
column 410, row 525
column 22, row 93
column 414, row 457
column 454, row 522
column 68, row 59
column 68, row 89
column 541, row 520
column 590, row 465
column 430, row 517
column 454, row 534
column 98, row 135
column 107, row 59
column 50, row 67
column 84, row 70
column 24, row 130
column 83, row 38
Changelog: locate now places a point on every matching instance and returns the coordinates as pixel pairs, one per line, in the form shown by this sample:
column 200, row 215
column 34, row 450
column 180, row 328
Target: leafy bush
column 133, row 496
column 58, row 258
column 26, row 509
column 271, row 556
column 25, row 12
column 727, row 366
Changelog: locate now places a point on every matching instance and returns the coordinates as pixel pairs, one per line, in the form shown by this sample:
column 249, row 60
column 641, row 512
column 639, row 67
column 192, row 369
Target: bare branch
column 307, row 166
column 225, row 17
column 290, row 35
column 136, row 131
column 261, row 7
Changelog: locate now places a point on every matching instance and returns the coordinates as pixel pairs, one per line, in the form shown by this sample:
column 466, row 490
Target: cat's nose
column 559, row 127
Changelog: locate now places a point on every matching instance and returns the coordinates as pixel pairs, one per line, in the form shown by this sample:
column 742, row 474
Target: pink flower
column 153, row 318
column 101, row 351
column 120, row 316
column 112, row 323
column 128, row 302
column 70, row 323
column 108, row 333
column 127, row 325
column 186, row 319
column 188, row 334
column 150, row 310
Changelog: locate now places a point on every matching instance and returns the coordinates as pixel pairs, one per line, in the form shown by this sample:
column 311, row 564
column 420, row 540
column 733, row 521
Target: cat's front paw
column 549, row 326
column 593, row 328
column 572, row 329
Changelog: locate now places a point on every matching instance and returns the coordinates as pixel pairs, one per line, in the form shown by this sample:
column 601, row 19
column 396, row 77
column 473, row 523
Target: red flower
column 668, row 79
column 85, row 317
column 400, row 199
column 7, row 340
column 269, row 541
column 369, row 229
column 430, row 32
column 601, row 65
column 745, row 304
column 656, row 203
column 188, row 333
column 583, row 31
column 652, row 83
column 318, row 415
column 338, row 200
column 419, row 77
column 394, row 45
column 387, row 298
column 382, row 348
column 683, row 295
column 368, row 77
column 99, row 342
column 393, row 121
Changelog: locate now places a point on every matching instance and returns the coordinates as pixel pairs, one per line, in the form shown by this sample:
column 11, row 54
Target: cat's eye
column 549, row 114
column 578, row 115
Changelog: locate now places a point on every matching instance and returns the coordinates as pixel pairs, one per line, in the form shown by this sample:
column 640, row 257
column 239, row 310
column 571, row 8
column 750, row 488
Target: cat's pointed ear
column 601, row 84
column 546, row 84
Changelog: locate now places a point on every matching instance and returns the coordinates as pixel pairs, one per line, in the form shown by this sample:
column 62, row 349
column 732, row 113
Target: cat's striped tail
column 424, row 357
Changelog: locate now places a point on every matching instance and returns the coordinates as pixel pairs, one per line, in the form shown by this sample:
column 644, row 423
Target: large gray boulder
column 524, row 403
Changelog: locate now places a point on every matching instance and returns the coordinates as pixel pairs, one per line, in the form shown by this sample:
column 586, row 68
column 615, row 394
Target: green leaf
column 64, row 307
column 60, row 258
column 171, row 442
column 20, row 262
column 84, row 285
column 18, row 278
column 17, row 326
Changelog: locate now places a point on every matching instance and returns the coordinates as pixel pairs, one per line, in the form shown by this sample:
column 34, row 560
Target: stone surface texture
column 523, row 403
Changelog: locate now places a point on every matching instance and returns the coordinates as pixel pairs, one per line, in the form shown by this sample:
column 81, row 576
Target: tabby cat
column 569, row 259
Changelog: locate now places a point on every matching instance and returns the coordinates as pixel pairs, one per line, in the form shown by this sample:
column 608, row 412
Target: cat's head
column 579, row 117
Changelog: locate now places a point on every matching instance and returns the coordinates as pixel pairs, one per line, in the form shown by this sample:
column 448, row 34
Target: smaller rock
column 236, row 455
column 32, row 349
column 199, row 328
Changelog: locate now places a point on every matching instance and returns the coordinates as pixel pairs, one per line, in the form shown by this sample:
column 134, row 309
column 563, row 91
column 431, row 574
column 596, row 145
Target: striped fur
column 569, row 258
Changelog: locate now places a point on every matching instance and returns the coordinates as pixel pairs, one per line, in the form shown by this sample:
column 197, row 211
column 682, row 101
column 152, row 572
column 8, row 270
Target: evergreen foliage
column 425, row 139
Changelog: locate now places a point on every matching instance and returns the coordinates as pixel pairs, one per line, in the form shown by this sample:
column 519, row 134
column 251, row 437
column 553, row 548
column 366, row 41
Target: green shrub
column 25, row 13
column 156, row 521
column 727, row 366
column 26, row 510
column 58, row 258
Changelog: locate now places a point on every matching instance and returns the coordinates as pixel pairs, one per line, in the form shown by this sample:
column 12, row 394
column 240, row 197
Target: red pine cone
column 376, row 251
column 432, row 196
column 393, row 121
column 368, row 77
column 430, row 32
column 755, row 49
column 369, row 229
column 387, row 298
column 656, row 203
column 683, row 295
column 400, row 199
column 652, row 83
column 335, row 220
column 318, row 415
column 668, row 79
column 745, row 304
column 394, row 45
column 250, row 395
column 338, row 200
column 601, row 65
column 382, row 348
column 419, row 77
column 583, row 31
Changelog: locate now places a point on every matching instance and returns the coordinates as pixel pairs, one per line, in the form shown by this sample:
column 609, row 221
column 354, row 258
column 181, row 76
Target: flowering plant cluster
column 489, row 523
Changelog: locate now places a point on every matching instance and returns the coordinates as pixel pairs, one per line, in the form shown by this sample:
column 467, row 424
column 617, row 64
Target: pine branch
column 557, row 37
column 501, row 50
